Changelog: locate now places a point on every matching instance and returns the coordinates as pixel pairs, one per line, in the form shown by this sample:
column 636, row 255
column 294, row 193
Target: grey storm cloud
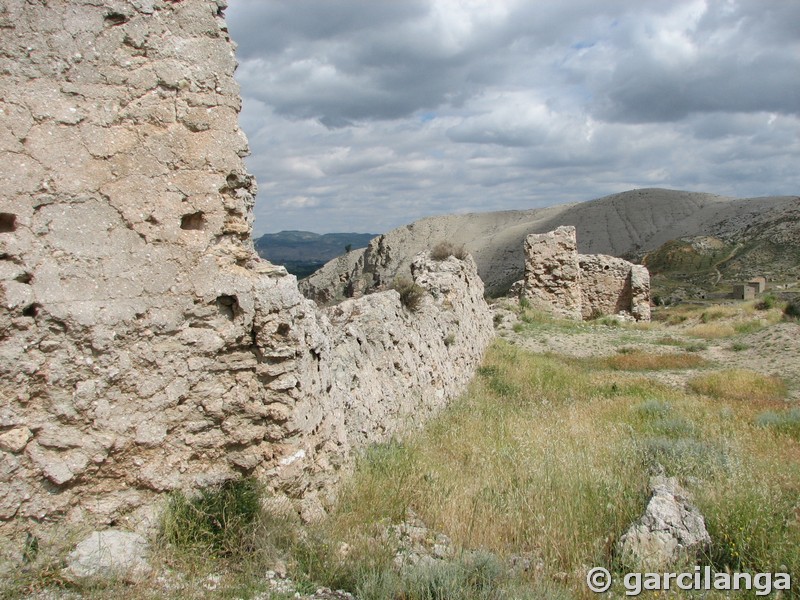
column 738, row 57
column 367, row 115
column 350, row 61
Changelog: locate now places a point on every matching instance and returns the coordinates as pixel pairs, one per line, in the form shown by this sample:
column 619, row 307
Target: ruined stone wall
column 560, row 281
column 144, row 347
column 552, row 272
column 611, row 285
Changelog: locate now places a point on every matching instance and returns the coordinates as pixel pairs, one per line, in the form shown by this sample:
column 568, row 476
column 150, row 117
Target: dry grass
column 740, row 385
column 713, row 321
column 675, row 315
column 638, row 360
column 715, row 313
column 549, row 457
column 512, row 467
column 411, row 294
column 444, row 250
column 711, row 331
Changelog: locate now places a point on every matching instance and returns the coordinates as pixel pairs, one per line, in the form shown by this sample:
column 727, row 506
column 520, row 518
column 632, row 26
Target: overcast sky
column 364, row 115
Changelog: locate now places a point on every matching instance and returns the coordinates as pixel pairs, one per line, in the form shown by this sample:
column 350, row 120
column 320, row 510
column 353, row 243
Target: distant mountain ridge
column 303, row 252
column 761, row 235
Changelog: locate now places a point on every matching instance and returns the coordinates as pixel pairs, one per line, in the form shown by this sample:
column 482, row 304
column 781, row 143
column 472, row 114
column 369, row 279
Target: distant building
column 745, row 291
column 761, row 282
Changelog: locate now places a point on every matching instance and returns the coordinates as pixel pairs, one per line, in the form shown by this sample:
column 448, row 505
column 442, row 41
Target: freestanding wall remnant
column 552, row 272
column 760, row 284
column 745, row 291
column 572, row 285
column 144, row 346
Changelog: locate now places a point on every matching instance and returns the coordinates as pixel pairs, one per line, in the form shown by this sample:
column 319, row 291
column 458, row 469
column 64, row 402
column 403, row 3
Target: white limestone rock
column 110, row 554
column 671, row 530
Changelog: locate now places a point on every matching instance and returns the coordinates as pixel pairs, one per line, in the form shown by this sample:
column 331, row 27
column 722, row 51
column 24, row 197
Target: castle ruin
column 144, row 346
column 566, row 284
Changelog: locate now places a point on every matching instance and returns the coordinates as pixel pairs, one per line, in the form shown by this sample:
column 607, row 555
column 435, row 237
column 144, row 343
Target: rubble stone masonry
column 562, row 282
column 144, row 347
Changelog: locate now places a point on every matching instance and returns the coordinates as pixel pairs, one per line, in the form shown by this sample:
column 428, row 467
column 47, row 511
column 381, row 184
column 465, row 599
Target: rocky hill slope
column 303, row 252
column 764, row 232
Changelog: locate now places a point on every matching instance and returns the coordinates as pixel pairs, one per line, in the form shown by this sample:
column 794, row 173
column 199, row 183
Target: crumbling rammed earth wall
column 581, row 286
column 611, row 286
column 144, row 347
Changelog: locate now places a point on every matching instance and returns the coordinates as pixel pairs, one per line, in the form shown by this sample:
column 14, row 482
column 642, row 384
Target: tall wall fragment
column 560, row 281
column 611, row 285
column 552, row 272
column 144, row 347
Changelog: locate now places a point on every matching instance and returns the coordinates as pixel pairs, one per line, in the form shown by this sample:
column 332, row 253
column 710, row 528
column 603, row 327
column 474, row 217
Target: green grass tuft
column 214, row 522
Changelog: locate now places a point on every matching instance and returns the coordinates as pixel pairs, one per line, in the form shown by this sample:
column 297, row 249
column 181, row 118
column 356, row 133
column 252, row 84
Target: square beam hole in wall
column 8, row 222
column 115, row 19
column 194, row 221
column 228, row 306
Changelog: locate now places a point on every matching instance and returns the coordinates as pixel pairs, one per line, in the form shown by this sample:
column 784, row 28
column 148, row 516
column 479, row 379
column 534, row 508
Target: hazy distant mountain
column 303, row 252
column 751, row 236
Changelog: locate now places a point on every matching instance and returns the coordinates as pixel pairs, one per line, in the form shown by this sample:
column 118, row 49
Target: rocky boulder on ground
column 671, row 530
column 110, row 554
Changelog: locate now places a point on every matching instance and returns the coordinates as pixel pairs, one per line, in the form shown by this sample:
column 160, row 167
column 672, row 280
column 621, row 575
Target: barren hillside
column 629, row 224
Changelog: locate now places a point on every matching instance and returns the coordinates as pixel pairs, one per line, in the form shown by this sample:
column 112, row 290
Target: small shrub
column 653, row 407
column 411, row 294
column 739, row 346
column 607, row 321
column 719, row 311
column 767, row 302
column 787, row 422
column 674, row 427
column 676, row 319
column 683, row 456
column 450, row 339
column 696, row 347
column 489, row 371
column 792, row 310
column 215, row 522
column 531, row 316
column 739, row 384
column 475, row 577
column 444, row 250
column 688, row 346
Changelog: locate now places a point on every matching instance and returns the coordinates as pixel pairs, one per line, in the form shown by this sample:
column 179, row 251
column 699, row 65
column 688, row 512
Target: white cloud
column 299, row 202
column 368, row 115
